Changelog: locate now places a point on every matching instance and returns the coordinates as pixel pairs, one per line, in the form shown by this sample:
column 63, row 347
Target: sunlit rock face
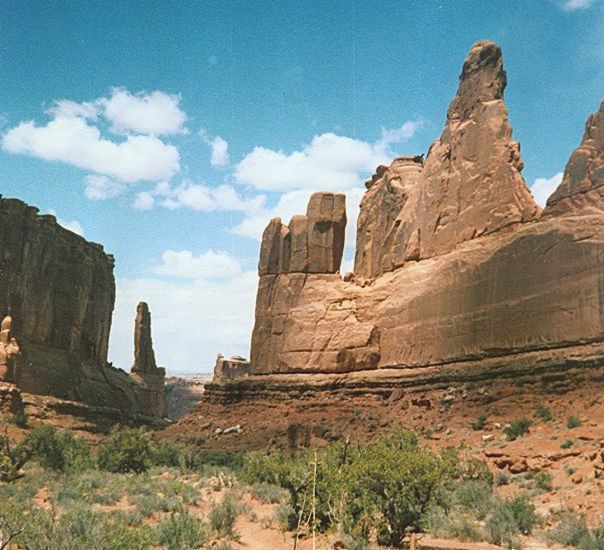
column 454, row 261
column 583, row 182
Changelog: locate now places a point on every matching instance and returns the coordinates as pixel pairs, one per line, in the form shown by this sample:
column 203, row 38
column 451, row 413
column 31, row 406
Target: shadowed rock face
column 58, row 287
column 58, row 291
column 145, row 369
column 583, row 181
column 453, row 261
column 144, row 356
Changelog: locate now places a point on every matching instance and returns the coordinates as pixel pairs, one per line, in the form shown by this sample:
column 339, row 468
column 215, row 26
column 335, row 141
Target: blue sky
column 172, row 132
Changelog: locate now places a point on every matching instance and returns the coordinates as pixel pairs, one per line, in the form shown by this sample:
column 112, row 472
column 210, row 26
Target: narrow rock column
column 145, row 369
column 144, row 356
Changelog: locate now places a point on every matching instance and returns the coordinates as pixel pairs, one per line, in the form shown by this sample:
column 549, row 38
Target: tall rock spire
column 145, row 369
column 473, row 183
column 583, row 181
column 144, row 357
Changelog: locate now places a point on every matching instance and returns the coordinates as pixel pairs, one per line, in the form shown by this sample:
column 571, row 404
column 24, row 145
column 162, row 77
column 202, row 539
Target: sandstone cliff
column 59, row 291
column 454, row 261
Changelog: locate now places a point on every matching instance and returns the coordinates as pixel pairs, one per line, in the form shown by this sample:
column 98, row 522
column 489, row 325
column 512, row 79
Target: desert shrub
column 12, row 458
column 182, row 530
column 501, row 478
column 455, row 524
column 543, row 413
column 572, row 531
column 223, row 515
column 573, row 422
column 517, row 428
column 475, row 496
column 510, row 518
column 285, row 515
column 267, row 493
column 125, row 450
column 390, row 486
column 567, row 444
column 58, row 450
column 543, row 481
column 19, row 419
column 479, row 423
column 221, row 459
column 167, row 453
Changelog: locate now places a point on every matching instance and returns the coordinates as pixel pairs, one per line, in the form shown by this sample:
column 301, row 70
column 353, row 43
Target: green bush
column 58, row 450
column 267, row 493
column 480, row 423
column 12, row 458
column 567, row 444
column 544, row 413
column 572, row 531
column 223, row 515
column 543, row 481
column 19, row 419
column 125, row 450
column 517, row 428
column 510, row 518
column 573, row 422
column 182, row 530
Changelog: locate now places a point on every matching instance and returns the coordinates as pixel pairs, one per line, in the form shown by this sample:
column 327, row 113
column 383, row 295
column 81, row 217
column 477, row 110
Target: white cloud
column 209, row 265
column 68, row 109
column 330, row 162
column 544, row 187
column 573, row 5
column 219, row 147
column 99, row 188
column 73, row 141
column 220, row 154
column 73, row 225
column 197, row 197
column 192, row 320
column 143, row 201
column 154, row 114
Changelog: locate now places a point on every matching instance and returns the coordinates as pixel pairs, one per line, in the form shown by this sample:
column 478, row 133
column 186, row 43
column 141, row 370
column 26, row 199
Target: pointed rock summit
column 469, row 185
column 473, row 182
column 144, row 356
column 583, row 181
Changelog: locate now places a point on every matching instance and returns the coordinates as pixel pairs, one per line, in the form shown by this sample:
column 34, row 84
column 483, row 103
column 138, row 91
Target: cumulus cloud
column 209, row 265
column 328, row 162
column 99, row 188
column 199, row 197
column 67, row 109
column 154, row 114
column 193, row 320
column 544, row 187
column 574, row 5
column 71, row 140
column 73, row 137
column 219, row 148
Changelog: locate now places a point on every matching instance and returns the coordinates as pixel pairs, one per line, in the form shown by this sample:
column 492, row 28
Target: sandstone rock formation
column 145, row 368
column 9, row 351
column 59, row 291
column 470, row 184
column 309, row 249
column 454, row 263
column 583, row 181
column 230, row 369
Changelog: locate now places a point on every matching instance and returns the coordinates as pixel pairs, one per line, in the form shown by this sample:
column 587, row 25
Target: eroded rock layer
column 454, row 261
column 57, row 292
